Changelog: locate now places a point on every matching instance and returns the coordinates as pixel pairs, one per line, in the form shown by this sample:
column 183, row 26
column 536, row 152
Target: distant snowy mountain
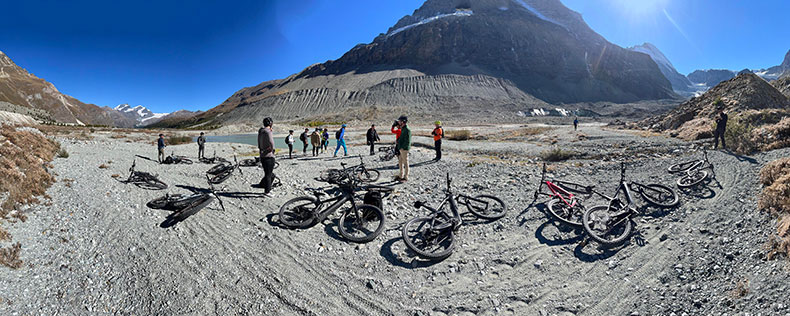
column 142, row 115
column 679, row 82
column 775, row 72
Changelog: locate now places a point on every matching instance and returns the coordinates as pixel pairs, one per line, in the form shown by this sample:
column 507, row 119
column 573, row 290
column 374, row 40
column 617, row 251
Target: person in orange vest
column 438, row 134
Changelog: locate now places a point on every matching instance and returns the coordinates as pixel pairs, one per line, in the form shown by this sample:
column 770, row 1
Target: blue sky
column 170, row 55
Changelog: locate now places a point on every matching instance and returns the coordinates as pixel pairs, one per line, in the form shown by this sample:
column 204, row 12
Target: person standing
column 303, row 138
column 575, row 122
column 160, row 145
column 266, row 150
column 403, row 144
column 721, row 127
column 438, row 134
column 372, row 137
column 201, row 141
column 340, row 135
column 324, row 140
column 315, row 140
column 289, row 140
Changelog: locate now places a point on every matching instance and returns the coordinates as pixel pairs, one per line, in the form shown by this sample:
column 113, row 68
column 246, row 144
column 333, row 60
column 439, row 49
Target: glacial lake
column 252, row 139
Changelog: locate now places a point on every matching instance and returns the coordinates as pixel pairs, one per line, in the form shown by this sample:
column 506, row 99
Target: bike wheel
column 367, row 175
column 690, row 180
column 247, row 163
column 362, row 225
column 602, row 226
column 276, row 165
column 571, row 215
column 151, row 184
column 659, row 195
column 192, row 208
column 161, row 202
column 679, row 167
column 299, row 212
column 217, row 179
column 427, row 242
column 186, row 161
column 217, row 169
column 486, row 206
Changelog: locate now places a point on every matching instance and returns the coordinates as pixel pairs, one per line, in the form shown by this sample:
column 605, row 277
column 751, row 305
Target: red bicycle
column 563, row 205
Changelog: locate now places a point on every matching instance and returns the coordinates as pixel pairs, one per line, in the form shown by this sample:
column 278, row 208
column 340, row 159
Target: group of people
column 318, row 138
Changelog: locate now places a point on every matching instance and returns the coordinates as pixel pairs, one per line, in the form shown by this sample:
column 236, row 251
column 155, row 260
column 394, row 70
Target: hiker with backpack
column 372, row 137
column 340, row 136
column 721, row 127
column 315, row 140
column 303, row 138
column 160, row 145
column 289, row 140
column 438, row 134
column 403, row 145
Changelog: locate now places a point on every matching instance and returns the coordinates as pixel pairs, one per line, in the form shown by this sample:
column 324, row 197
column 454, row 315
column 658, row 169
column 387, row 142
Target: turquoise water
column 252, row 139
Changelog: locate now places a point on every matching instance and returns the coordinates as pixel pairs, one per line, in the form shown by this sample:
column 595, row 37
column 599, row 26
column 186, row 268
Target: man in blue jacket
column 341, row 140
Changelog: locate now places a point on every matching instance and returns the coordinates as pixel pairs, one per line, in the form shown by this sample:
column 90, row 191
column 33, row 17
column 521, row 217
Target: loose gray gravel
column 95, row 248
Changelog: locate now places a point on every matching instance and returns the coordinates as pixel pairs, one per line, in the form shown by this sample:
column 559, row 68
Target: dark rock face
column 711, row 77
column 783, row 84
column 679, row 82
column 545, row 49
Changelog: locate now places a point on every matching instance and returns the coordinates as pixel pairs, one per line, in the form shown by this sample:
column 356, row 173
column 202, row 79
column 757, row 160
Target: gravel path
column 95, row 248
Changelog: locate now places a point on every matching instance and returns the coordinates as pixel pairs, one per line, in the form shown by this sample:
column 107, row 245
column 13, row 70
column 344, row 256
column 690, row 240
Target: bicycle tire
column 151, row 184
column 193, row 208
column 186, row 161
column 248, row 163
column 486, row 211
column 690, row 180
column 568, row 215
column 162, row 202
column 218, row 169
column 219, row 178
column 594, row 217
column 417, row 232
column 666, row 196
column 352, row 222
column 680, row 167
column 299, row 212
column 276, row 165
column 367, row 175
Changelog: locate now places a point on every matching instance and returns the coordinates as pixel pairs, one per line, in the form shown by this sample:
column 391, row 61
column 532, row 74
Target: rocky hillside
column 21, row 88
column 454, row 55
column 783, row 85
column 679, row 82
column 746, row 93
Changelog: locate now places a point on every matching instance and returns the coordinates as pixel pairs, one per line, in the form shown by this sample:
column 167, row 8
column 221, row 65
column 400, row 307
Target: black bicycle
column 612, row 224
column 223, row 171
column 213, row 160
column 387, row 153
column 693, row 172
column 255, row 162
column 173, row 160
column 359, row 172
column 144, row 180
column 433, row 236
column 364, row 174
column 184, row 206
column 359, row 223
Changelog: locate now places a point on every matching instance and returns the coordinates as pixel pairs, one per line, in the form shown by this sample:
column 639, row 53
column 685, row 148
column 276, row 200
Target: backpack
column 303, row 137
column 169, row 160
column 337, row 134
column 373, row 198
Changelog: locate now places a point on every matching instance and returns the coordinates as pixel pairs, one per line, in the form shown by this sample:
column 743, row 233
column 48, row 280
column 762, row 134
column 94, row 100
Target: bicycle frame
column 556, row 191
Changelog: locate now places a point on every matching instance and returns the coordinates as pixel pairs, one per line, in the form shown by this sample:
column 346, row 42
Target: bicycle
column 173, row 159
column 611, row 224
column 144, row 180
column 694, row 171
column 213, row 160
column 387, row 153
column 563, row 204
column 364, row 174
column 359, row 223
column 223, row 171
column 255, row 162
column 433, row 236
column 358, row 172
column 186, row 205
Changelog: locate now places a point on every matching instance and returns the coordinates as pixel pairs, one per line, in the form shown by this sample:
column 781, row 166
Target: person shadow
column 740, row 158
column 415, row 165
column 145, row 158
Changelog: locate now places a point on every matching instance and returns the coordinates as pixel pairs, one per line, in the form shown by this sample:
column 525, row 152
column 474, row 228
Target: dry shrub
column 556, row 154
column 739, row 136
column 775, row 198
column 178, row 140
column 116, row 175
column 699, row 128
column 526, row 132
column 117, row 136
column 741, row 289
column 23, row 173
column 459, row 135
column 772, row 136
column 62, row 153
column 9, row 256
column 103, row 166
column 4, row 235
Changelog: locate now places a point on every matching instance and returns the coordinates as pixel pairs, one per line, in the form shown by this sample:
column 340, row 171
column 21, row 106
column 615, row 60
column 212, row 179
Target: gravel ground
column 95, row 248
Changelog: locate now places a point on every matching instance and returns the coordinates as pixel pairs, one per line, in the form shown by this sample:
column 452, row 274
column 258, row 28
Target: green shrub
column 739, row 136
column 556, row 154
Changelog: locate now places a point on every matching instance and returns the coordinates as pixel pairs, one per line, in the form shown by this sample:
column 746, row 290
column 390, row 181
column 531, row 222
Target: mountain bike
column 363, row 173
column 213, row 160
column 173, row 159
column 185, row 205
column 433, row 236
column 563, row 204
column 693, row 172
column 611, row 224
column 255, row 162
column 359, row 223
column 358, row 172
column 223, row 171
column 144, row 180
column 387, row 153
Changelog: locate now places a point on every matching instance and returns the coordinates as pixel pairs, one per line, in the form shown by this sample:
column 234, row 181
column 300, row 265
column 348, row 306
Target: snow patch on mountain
column 140, row 113
column 459, row 13
column 653, row 51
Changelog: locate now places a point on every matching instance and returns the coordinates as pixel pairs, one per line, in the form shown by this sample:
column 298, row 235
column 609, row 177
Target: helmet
column 438, row 122
column 344, row 125
column 403, row 118
column 267, row 121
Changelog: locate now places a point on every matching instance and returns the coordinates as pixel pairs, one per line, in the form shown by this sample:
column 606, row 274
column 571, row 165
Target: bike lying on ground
column 222, row 172
column 255, row 162
column 144, row 180
column 359, row 172
column 387, row 153
column 693, row 172
column 184, row 206
column 359, row 223
column 173, row 159
column 213, row 160
column 563, row 204
column 612, row 224
column 433, row 236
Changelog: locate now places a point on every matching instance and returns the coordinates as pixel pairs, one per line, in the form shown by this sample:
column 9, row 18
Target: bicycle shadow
column 416, row 165
column 387, row 252
column 145, row 158
column 270, row 219
column 603, row 252
column 699, row 191
column 233, row 195
column 561, row 231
